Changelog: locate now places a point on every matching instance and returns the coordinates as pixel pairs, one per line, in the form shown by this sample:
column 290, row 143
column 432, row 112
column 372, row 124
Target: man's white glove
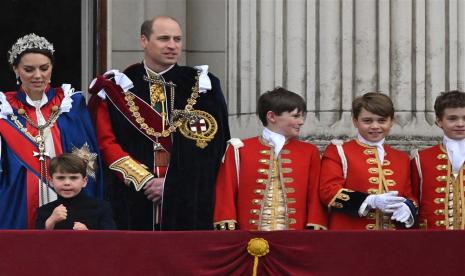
column 380, row 202
column 401, row 213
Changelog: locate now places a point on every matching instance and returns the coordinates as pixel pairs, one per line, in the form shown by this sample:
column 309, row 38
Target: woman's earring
column 17, row 80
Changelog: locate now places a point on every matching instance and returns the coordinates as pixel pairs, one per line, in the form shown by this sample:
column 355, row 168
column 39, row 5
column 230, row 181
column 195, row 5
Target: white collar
column 39, row 103
column 204, row 80
column 275, row 139
column 155, row 73
column 455, row 152
column 378, row 145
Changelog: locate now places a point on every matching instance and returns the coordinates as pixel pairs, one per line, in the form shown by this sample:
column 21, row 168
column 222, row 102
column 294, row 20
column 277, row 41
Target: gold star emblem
column 89, row 157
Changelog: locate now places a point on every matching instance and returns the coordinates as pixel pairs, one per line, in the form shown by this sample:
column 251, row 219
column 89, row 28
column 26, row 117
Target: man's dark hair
column 374, row 102
column 279, row 100
column 68, row 163
column 448, row 99
column 146, row 27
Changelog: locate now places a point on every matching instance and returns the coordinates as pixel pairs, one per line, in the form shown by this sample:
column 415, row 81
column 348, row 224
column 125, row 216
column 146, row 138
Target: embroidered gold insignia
column 88, row 156
column 202, row 128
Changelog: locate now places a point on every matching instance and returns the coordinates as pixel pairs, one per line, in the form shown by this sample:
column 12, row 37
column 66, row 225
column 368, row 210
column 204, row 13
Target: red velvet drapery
column 38, row 252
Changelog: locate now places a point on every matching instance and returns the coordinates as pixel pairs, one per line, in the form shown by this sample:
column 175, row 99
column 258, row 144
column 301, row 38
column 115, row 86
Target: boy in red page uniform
column 365, row 182
column 437, row 172
column 270, row 182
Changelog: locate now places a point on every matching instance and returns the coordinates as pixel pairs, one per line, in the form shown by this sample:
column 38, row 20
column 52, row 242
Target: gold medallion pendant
column 202, row 128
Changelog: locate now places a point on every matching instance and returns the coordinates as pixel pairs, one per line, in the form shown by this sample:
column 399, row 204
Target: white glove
column 380, row 202
column 401, row 213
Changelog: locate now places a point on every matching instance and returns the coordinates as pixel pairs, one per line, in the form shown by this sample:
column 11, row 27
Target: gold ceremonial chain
column 39, row 139
column 157, row 93
column 157, row 96
column 177, row 118
column 53, row 117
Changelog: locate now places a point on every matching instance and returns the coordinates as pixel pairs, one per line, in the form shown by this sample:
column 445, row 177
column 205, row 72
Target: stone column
column 331, row 51
column 205, row 36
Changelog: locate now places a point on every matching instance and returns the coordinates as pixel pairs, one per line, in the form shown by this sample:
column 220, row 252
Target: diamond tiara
column 30, row 41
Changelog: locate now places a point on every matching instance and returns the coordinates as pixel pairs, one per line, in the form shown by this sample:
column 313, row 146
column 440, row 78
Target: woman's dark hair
column 37, row 51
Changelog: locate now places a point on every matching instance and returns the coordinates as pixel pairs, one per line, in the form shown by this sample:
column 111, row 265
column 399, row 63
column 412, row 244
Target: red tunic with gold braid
column 440, row 193
column 365, row 175
column 272, row 193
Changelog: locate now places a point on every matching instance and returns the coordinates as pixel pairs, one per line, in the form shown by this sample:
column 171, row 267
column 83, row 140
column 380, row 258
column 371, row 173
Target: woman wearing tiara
column 38, row 122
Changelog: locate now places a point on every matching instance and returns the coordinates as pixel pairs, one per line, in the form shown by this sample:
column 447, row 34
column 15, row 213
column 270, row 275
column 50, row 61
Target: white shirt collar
column 275, row 139
column 378, row 145
column 39, row 103
column 155, row 73
column 455, row 152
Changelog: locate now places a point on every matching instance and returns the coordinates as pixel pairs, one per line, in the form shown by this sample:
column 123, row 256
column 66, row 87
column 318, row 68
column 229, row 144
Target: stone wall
column 332, row 51
column 403, row 143
column 329, row 51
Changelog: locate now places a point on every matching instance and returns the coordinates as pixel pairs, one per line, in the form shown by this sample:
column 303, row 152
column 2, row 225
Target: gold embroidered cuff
column 132, row 172
column 225, row 225
column 341, row 195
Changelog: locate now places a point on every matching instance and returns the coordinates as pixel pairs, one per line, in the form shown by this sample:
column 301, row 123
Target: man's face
column 452, row 123
column 371, row 126
column 68, row 185
column 163, row 47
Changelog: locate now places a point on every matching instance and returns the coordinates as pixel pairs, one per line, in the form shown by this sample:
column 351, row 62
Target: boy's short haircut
column 449, row 99
column 279, row 100
column 374, row 102
column 68, row 163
